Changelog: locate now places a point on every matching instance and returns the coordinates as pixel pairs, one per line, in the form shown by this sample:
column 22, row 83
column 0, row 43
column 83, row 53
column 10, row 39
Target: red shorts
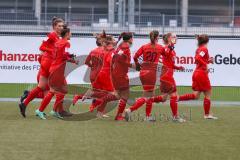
column 167, row 82
column 168, row 86
column 38, row 77
column 57, row 79
column 93, row 76
column 148, row 79
column 200, row 81
column 120, row 83
column 103, row 82
column 45, row 66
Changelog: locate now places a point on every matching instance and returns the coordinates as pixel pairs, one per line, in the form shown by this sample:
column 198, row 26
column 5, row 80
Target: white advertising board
column 18, row 60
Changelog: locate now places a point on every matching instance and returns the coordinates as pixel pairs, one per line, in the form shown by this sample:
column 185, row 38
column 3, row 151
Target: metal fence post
column 16, row 11
column 65, row 16
column 163, row 23
column 45, row 12
column 92, row 17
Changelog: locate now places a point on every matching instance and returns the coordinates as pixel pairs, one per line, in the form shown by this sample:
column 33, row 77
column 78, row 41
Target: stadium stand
column 185, row 17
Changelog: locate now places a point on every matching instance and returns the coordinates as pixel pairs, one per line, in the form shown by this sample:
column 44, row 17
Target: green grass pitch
column 219, row 93
column 105, row 139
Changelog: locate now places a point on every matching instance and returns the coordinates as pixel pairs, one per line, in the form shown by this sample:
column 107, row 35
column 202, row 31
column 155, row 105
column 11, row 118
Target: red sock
column 33, row 94
column 46, row 100
column 186, row 97
column 98, row 94
column 78, row 96
column 58, row 105
column 137, row 104
column 40, row 95
column 207, row 105
column 121, row 106
column 109, row 98
column 174, row 106
column 157, row 99
column 95, row 104
column 148, row 107
column 101, row 108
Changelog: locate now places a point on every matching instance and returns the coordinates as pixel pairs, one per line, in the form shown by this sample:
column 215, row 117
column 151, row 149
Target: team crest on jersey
column 202, row 53
column 66, row 49
column 112, row 54
column 120, row 52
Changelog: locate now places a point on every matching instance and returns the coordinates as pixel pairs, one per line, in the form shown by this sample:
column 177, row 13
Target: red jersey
column 121, row 60
column 151, row 54
column 202, row 58
column 95, row 61
column 103, row 81
column 48, row 44
column 107, row 60
column 61, row 54
column 168, row 58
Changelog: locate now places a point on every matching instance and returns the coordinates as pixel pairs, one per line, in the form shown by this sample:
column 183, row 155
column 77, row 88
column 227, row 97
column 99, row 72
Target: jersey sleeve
column 88, row 60
column 51, row 38
column 70, row 57
column 200, row 56
column 67, row 46
column 138, row 54
column 44, row 47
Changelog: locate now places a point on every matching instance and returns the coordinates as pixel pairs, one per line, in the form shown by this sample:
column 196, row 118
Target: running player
column 151, row 53
column 200, row 79
column 119, row 70
column 95, row 61
column 167, row 81
column 103, row 82
column 57, row 81
column 46, row 59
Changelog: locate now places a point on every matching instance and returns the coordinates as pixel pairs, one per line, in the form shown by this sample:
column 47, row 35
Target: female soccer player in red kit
column 47, row 48
column 57, row 81
column 151, row 53
column 121, row 61
column 200, row 79
column 95, row 61
column 104, row 81
column 167, row 81
column 103, row 87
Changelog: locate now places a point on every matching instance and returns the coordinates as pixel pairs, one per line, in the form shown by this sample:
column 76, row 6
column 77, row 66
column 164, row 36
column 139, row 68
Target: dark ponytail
column 202, row 39
column 153, row 36
column 100, row 38
column 65, row 30
column 126, row 36
column 108, row 40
